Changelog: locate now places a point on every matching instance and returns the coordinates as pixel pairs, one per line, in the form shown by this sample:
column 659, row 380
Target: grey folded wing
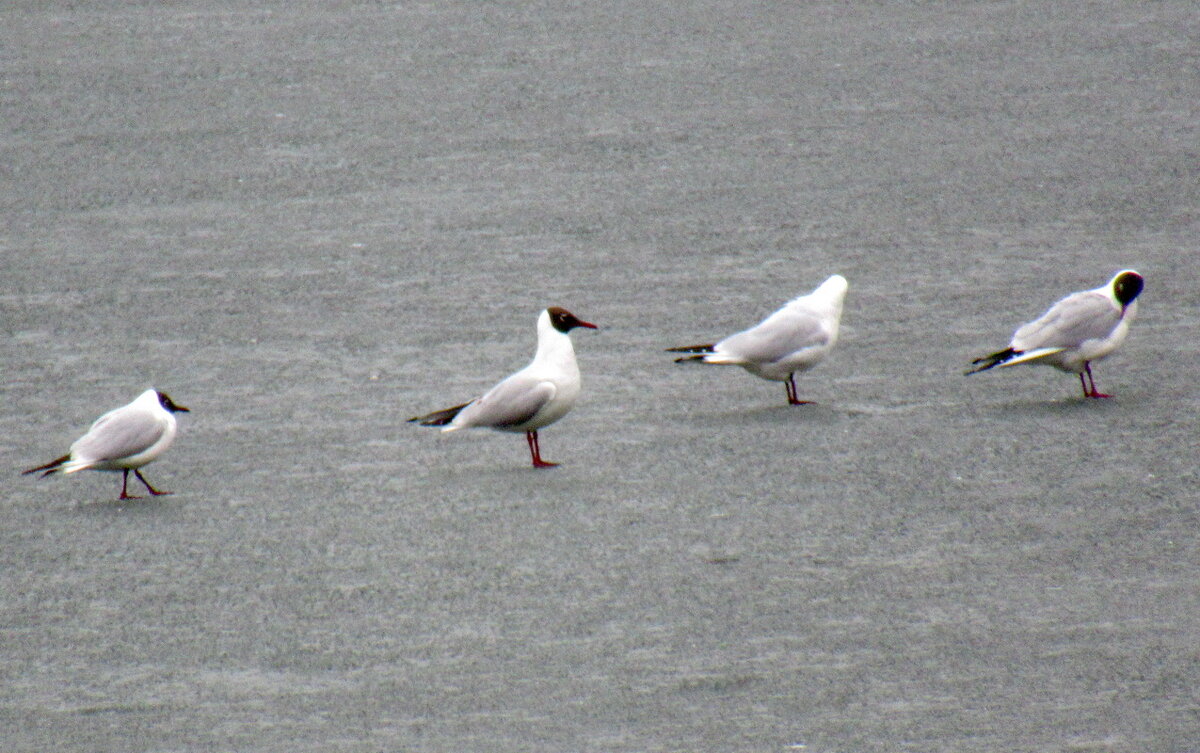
column 118, row 435
column 510, row 403
column 1079, row 317
column 777, row 337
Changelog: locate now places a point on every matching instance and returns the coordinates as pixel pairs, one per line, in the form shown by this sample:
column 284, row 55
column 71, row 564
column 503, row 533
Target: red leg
column 153, row 491
column 125, row 485
column 536, row 452
column 790, row 384
column 1093, row 392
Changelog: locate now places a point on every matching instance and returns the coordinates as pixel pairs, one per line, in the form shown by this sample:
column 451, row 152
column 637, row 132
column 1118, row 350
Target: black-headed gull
column 1081, row 328
column 124, row 440
column 795, row 338
column 534, row 397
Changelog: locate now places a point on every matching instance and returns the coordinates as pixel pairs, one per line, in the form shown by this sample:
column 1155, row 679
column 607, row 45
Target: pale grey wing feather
column 510, row 403
column 118, row 435
column 1083, row 316
column 778, row 336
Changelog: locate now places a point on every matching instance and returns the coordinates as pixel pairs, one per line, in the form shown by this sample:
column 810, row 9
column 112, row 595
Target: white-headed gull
column 795, row 338
column 536, row 396
column 124, row 440
column 1081, row 328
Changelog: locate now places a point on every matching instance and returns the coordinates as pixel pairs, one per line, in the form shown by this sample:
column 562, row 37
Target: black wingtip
column 689, row 358
column 438, row 418
column 706, row 348
column 995, row 359
column 49, row 468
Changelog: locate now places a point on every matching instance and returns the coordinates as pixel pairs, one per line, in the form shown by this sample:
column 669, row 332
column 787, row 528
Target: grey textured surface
column 310, row 221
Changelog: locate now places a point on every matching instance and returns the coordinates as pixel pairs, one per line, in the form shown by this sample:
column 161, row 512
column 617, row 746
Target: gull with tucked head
column 795, row 338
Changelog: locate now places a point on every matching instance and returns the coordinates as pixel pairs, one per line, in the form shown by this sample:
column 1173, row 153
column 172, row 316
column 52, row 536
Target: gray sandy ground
column 310, row 221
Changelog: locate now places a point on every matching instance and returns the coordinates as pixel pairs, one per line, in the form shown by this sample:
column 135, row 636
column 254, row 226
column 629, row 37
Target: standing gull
column 536, row 396
column 124, row 440
column 1081, row 328
column 795, row 338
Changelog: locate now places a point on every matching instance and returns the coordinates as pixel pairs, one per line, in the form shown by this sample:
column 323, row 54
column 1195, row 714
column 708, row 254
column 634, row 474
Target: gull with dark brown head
column 123, row 440
column 532, row 398
column 1081, row 328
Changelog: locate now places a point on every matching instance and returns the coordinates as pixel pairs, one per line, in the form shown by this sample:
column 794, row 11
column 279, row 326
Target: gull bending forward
column 124, row 440
column 795, row 338
column 1081, row 328
column 534, row 397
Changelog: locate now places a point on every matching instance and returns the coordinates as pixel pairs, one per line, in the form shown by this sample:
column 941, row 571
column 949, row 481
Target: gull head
column 564, row 321
column 168, row 405
column 1126, row 286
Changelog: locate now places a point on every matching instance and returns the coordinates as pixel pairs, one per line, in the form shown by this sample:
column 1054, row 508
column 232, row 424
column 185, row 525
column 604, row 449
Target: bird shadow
column 101, row 507
column 811, row 413
column 1073, row 406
